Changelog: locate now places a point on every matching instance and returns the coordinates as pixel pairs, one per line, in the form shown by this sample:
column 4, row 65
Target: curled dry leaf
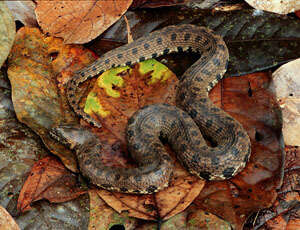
column 79, row 23
column 50, row 180
column 276, row 6
column 286, row 85
column 6, row 221
column 23, row 11
column 33, row 65
column 7, row 32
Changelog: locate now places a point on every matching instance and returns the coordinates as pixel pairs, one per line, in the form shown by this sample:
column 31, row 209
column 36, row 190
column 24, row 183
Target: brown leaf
column 6, row 221
column 247, row 100
column 79, row 23
column 50, row 180
column 198, row 219
column 104, row 217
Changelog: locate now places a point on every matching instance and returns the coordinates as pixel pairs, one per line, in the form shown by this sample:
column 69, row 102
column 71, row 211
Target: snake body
column 180, row 126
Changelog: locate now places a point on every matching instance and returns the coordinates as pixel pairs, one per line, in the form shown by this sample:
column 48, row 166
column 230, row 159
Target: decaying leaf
column 276, row 6
column 247, row 99
column 23, row 11
column 33, row 65
column 7, row 32
column 50, row 180
column 6, row 221
column 79, row 23
column 286, row 85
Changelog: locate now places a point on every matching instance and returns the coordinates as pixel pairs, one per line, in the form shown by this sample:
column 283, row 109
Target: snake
column 186, row 127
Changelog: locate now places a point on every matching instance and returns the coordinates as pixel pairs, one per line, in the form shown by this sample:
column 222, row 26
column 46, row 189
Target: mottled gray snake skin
column 180, row 126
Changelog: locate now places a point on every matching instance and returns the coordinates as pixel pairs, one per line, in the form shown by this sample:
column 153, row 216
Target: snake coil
column 180, row 125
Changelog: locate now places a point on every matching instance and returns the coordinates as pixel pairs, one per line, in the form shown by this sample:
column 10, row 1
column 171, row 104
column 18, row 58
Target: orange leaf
column 48, row 179
column 79, row 22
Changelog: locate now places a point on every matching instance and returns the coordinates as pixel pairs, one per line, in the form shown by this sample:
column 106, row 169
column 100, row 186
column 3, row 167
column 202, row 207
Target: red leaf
column 48, row 179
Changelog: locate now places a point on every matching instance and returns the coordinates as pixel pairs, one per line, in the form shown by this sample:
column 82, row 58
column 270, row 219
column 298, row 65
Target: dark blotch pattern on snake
column 180, row 126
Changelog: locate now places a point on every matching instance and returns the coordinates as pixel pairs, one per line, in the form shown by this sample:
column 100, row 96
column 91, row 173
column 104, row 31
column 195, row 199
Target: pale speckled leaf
column 23, row 11
column 6, row 221
column 276, row 6
column 7, row 32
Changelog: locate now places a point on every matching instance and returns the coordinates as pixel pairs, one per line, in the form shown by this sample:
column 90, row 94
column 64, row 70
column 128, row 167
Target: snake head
column 71, row 135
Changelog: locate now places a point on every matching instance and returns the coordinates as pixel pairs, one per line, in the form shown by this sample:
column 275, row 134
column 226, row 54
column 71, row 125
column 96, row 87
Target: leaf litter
column 264, row 128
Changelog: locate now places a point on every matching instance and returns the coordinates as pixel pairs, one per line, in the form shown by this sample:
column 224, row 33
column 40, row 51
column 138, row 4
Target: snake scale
column 179, row 126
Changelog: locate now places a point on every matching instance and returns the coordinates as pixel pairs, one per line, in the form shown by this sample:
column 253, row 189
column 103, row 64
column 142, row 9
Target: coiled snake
column 179, row 126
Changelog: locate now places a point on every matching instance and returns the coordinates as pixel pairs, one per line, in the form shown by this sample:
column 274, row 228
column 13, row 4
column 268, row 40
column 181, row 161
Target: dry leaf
column 23, row 11
column 276, row 6
column 35, row 64
column 7, row 32
column 197, row 219
column 104, row 217
column 6, row 221
column 286, row 85
column 79, row 23
column 50, row 180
